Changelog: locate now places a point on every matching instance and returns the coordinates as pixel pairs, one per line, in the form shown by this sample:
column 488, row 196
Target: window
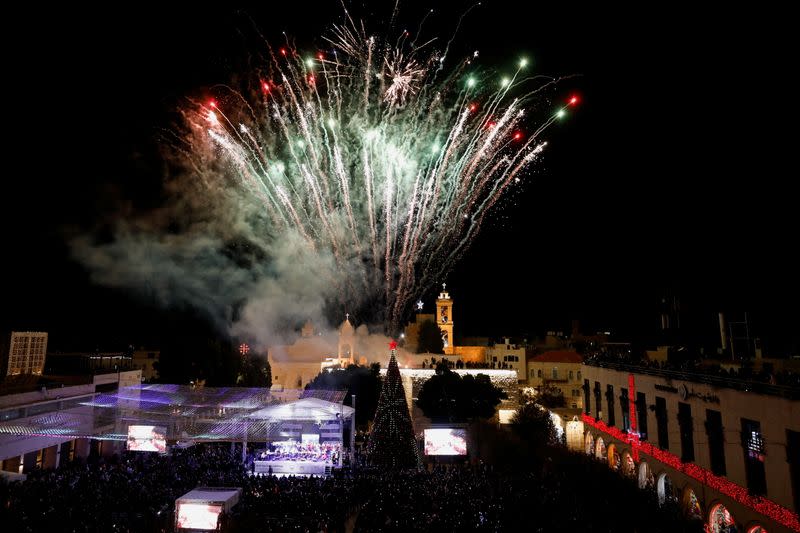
column 598, row 395
column 753, row 445
column 555, row 373
column 587, row 408
column 624, row 405
column 532, row 373
column 576, row 393
column 687, row 431
column 641, row 415
column 579, row 375
column 571, row 375
column 539, row 373
column 663, row 423
column 610, row 401
column 716, row 441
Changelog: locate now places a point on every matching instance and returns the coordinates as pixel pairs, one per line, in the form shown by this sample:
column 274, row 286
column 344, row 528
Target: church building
column 295, row 365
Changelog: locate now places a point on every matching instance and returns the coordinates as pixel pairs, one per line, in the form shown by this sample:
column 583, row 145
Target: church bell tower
column 444, row 318
column 347, row 342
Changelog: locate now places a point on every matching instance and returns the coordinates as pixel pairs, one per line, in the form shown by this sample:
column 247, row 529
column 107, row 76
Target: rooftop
column 786, row 384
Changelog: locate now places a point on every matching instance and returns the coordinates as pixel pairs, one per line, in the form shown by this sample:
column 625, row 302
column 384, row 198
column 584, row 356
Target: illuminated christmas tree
column 391, row 442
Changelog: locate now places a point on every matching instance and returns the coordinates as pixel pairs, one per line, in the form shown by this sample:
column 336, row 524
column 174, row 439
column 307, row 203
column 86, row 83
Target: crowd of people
column 460, row 363
column 130, row 492
column 136, row 492
column 554, row 497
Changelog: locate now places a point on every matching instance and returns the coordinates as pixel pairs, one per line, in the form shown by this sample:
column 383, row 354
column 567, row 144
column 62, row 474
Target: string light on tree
column 244, row 349
column 391, row 442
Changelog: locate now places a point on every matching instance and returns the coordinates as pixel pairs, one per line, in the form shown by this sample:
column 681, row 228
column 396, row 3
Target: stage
column 292, row 468
column 309, row 456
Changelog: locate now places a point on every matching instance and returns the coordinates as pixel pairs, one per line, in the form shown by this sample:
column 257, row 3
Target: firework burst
column 374, row 154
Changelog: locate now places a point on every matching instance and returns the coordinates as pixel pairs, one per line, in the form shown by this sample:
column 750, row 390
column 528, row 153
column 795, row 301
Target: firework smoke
column 355, row 176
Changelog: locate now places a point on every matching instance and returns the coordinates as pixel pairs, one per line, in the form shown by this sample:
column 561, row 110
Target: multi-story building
column 726, row 451
column 145, row 359
column 560, row 370
column 508, row 355
column 26, row 352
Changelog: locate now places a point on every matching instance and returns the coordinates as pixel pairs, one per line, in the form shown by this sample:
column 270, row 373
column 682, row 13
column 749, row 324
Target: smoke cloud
column 209, row 248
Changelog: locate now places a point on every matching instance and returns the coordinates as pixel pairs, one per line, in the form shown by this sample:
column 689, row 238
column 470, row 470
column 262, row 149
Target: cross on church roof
column 444, row 286
column 347, row 316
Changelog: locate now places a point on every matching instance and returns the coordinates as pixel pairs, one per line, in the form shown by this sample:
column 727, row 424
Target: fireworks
column 374, row 154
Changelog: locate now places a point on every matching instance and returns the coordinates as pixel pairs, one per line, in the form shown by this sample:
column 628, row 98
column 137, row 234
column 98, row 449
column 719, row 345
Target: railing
column 793, row 393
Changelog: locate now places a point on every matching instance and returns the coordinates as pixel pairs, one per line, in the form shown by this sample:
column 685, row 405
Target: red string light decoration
column 763, row 506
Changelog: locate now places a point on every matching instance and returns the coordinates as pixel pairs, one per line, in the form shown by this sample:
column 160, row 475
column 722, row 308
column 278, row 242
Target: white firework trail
column 371, row 154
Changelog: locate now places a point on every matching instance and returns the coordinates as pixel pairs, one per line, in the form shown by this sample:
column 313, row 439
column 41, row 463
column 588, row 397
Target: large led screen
column 147, row 439
column 445, row 441
column 198, row 516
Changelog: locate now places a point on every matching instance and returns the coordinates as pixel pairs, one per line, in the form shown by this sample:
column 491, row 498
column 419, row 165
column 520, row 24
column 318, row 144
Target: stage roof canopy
column 304, row 409
column 187, row 413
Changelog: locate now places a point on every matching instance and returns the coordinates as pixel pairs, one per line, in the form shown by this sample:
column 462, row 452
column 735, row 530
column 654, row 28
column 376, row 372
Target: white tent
column 200, row 508
column 304, row 409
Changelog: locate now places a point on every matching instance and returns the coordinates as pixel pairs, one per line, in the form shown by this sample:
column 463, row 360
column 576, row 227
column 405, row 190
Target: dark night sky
column 673, row 173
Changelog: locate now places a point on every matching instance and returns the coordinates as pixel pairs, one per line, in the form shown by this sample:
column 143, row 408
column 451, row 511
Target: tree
column 364, row 382
column 447, row 397
column 429, row 338
column 550, row 397
column 254, row 372
column 391, row 442
column 533, row 423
